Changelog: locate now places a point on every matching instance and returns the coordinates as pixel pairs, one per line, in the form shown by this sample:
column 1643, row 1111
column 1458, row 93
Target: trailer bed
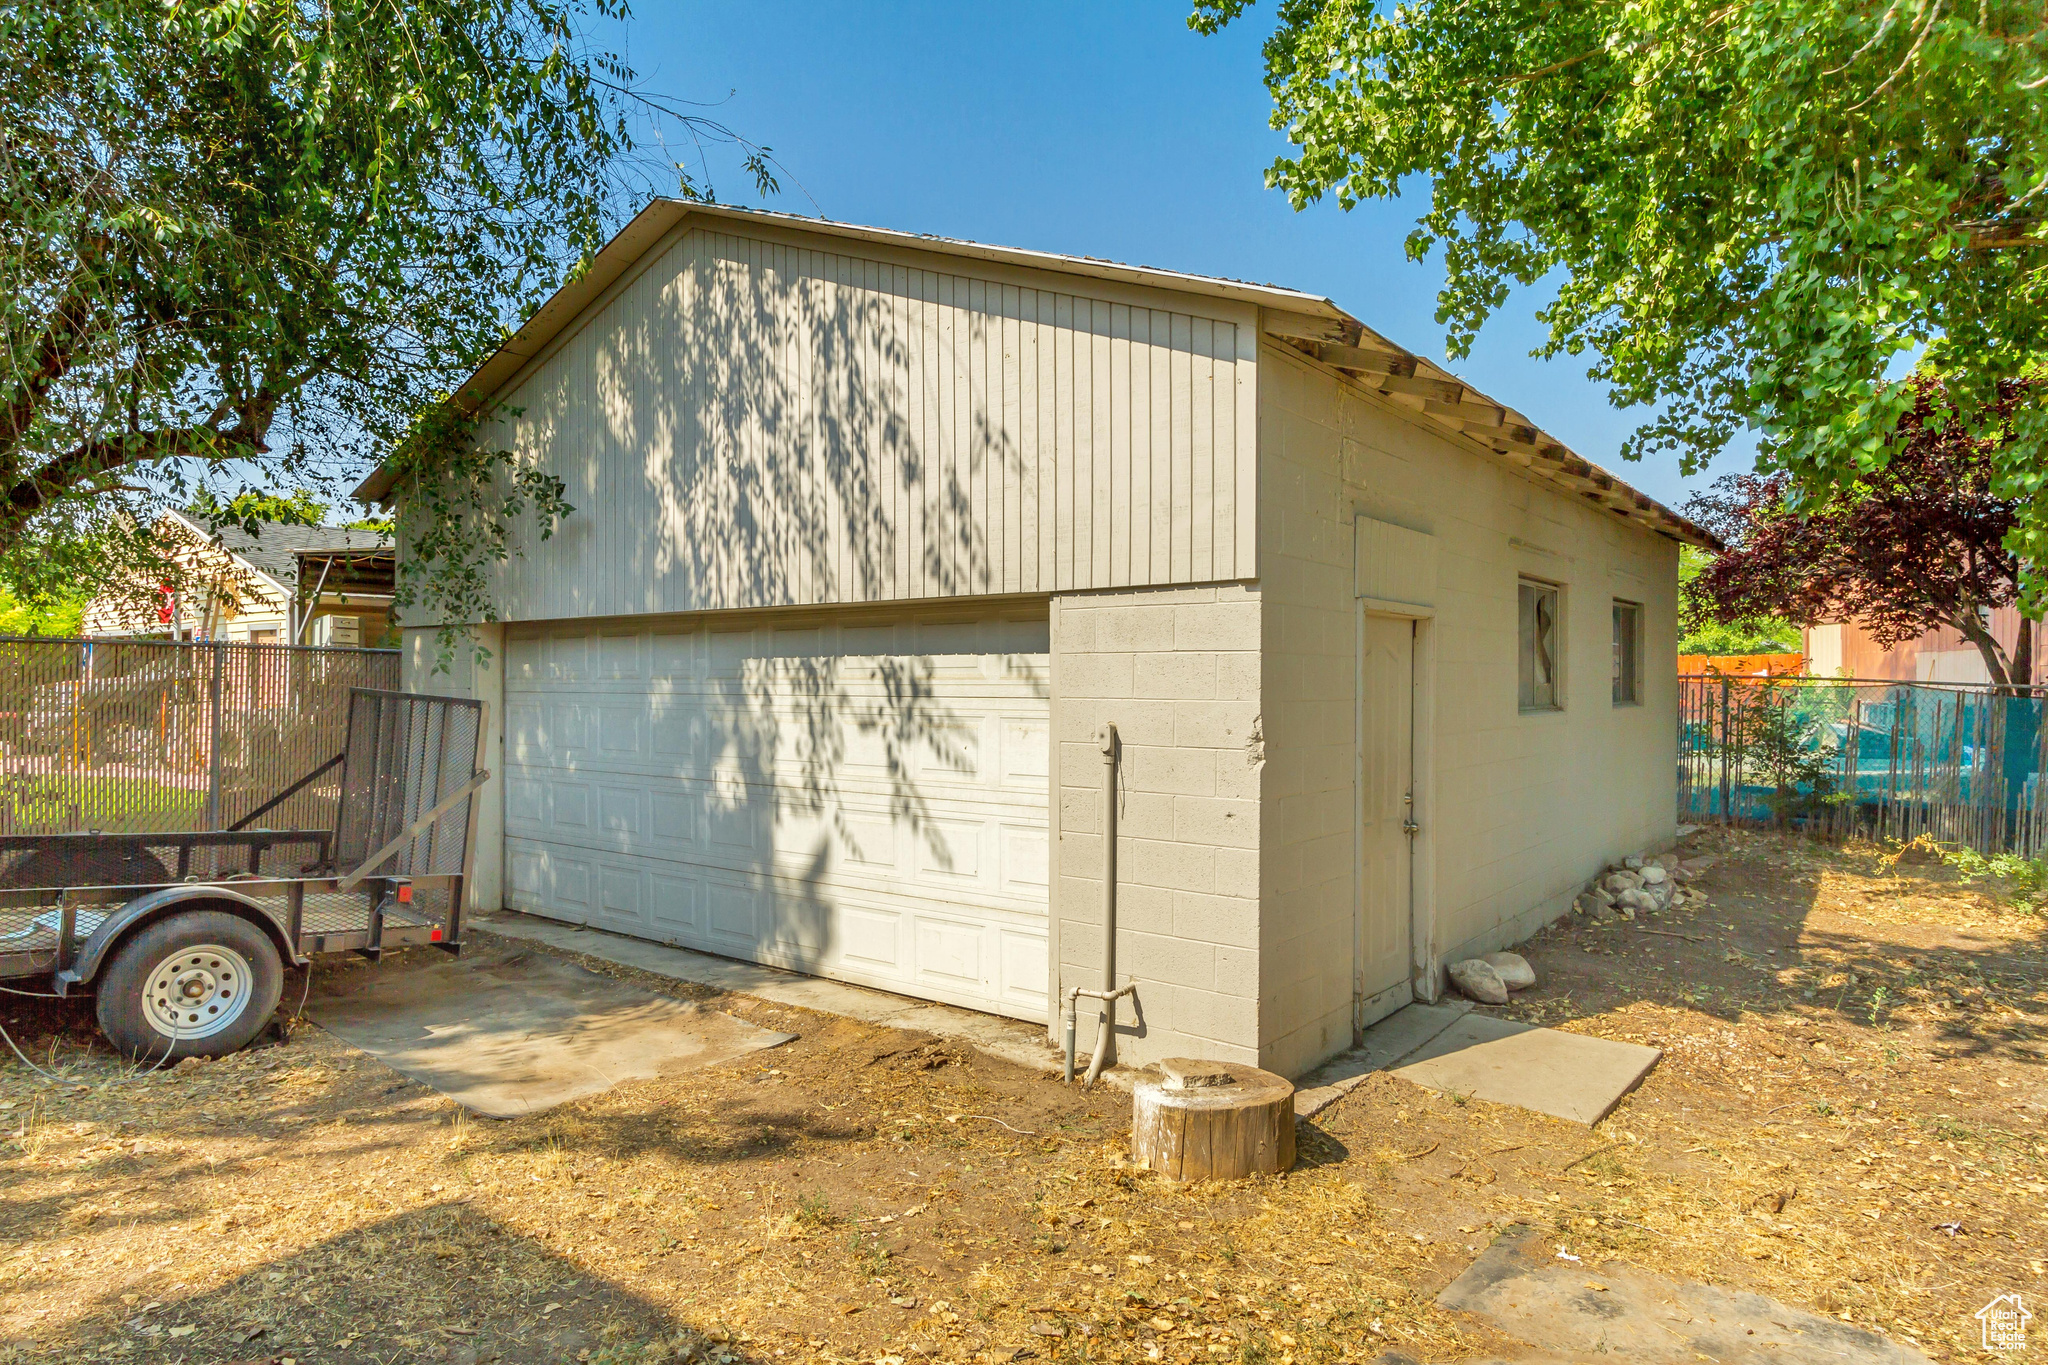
column 329, row 920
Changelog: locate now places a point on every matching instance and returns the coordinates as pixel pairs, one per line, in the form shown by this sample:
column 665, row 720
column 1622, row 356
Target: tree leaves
column 248, row 240
column 1756, row 212
column 1914, row 545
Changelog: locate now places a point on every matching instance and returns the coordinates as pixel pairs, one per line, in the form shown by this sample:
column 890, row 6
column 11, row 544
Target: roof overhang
column 1314, row 326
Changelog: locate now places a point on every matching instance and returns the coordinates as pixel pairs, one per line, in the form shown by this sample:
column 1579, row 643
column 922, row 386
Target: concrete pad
column 1013, row 1040
column 1386, row 1042
column 1616, row 1311
column 1566, row 1075
column 515, row 1031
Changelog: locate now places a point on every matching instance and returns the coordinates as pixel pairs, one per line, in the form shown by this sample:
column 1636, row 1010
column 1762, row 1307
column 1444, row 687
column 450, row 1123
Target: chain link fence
column 1837, row 757
column 147, row 736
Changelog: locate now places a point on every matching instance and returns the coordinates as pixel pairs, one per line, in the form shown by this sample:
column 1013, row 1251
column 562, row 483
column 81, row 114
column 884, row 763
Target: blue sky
column 1104, row 130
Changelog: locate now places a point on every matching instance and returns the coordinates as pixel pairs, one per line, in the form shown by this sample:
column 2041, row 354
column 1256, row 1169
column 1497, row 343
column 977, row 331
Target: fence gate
column 148, row 736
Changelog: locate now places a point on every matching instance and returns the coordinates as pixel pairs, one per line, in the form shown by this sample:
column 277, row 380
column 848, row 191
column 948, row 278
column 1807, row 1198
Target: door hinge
column 1408, row 825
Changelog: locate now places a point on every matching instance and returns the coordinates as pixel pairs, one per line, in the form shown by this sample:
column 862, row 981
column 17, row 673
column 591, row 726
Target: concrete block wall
column 1178, row 672
column 1517, row 810
column 1309, row 679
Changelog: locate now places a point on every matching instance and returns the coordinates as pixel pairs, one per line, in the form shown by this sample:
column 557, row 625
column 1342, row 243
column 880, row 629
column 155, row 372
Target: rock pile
column 1637, row 885
column 1642, row 886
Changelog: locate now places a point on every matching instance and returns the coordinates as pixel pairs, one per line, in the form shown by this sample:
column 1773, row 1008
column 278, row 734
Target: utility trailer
column 183, row 937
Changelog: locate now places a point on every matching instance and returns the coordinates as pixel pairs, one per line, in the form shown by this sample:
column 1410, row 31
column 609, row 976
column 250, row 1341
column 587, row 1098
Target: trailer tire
column 201, row 983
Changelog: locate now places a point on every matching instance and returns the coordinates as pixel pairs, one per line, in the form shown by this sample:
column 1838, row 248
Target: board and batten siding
column 759, row 421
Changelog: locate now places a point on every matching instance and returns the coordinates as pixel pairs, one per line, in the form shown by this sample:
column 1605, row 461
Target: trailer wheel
column 198, row 984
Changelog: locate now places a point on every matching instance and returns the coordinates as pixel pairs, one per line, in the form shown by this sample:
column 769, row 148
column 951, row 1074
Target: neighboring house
column 875, row 532
column 1845, row 650
column 284, row 584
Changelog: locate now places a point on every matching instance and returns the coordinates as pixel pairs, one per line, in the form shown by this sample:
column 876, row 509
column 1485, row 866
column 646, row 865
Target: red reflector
column 433, row 936
column 405, row 895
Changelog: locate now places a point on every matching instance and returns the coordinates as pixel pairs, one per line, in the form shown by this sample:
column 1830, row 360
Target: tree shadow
column 442, row 1283
column 1767, row 947
column 832, row 792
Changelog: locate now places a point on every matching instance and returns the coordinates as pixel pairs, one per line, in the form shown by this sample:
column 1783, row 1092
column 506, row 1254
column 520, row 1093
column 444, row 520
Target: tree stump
column 1212, row 1121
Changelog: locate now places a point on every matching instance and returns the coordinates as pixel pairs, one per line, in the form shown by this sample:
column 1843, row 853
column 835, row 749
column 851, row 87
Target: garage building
column 874, row 534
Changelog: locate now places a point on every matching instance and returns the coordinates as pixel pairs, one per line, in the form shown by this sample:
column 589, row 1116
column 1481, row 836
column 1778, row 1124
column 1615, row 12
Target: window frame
column 1632, row 674
column 1527, row 690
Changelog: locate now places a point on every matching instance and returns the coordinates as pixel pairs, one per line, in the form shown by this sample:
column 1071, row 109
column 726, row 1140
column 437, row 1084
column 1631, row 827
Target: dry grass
column 1820, row 1112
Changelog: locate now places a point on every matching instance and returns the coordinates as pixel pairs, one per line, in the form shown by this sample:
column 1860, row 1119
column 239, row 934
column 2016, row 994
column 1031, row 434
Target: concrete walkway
column 1403, row 1032
column 1449, row 1049
column 1013, row 1040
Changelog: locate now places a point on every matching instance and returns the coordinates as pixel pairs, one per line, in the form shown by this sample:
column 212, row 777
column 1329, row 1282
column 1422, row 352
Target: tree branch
column 55, row 352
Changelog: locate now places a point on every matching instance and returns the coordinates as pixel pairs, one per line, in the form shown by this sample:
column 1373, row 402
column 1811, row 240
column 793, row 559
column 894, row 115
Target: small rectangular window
column 1539, row 638
column 1627, row 653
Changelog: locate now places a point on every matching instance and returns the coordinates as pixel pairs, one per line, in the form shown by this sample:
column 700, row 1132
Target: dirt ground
column 1849, row 1116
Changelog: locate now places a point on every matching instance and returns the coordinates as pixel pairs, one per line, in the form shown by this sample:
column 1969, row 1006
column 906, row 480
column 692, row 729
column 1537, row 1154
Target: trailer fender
column 161, row 904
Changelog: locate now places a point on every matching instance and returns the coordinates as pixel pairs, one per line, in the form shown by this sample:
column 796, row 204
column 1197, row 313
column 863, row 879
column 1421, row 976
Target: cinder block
column 1175, row 677
column 1238, row 778
column 1162, row 957
column 1229, row 1019
column 1094, row 675
column 1229, row 921
column 1209, row 820
column 1139, row 722
column 1073, row 629
column 1080, row 811
column 1238, row 676
column 1213, row 724
column 1138, row 629
column 1081, row 944
column 1237, row 873
column 1173, row 771
column 1080, row 764
column 1237, row 971
column 1217, row 626
column 1175, row 866
column 1144, row 814
column 1144, row 909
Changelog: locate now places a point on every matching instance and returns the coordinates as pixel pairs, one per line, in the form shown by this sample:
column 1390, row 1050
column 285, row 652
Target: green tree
column 1754, row 213
column 301, row 507
column 1699, row 632
column 260, row 240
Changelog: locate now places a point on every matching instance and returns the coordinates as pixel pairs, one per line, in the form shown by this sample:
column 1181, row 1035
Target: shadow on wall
column 796, row 773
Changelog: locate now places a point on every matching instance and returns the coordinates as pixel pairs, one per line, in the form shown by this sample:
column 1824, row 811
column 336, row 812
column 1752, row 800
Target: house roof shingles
column 273, row 550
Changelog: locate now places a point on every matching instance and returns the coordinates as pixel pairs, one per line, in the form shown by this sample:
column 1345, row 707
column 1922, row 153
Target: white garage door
column 860, row 802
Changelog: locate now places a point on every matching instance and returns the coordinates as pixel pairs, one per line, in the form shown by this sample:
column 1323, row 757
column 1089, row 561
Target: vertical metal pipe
column 1111, row 756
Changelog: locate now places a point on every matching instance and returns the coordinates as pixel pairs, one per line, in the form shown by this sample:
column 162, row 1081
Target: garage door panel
column 619, row 897
column 1024, row 965
column 873, row 939
column 618, row 655
column 731, row 912
column 619, row 809
column 569, row 805
column 674, row 905
column 871, row 815
column 949, row 953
